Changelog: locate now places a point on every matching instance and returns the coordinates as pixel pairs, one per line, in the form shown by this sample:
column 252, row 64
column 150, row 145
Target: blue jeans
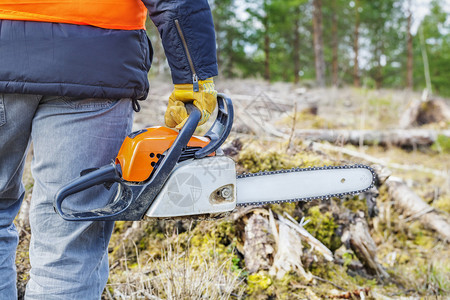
column 69, row 260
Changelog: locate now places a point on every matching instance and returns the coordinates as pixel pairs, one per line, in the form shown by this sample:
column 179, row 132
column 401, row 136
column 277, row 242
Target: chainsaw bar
column 312, row 170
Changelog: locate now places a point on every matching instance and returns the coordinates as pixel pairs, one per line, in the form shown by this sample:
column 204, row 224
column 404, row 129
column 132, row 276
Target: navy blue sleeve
column 195, row 22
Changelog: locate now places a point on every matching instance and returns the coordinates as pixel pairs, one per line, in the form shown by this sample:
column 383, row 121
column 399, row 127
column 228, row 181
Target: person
column 71, row 73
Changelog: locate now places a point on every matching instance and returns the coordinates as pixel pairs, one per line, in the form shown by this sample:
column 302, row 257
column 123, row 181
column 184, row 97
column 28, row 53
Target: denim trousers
column 69, row 260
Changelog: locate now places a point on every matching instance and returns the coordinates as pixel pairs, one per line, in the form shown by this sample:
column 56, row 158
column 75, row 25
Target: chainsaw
column 162, row 173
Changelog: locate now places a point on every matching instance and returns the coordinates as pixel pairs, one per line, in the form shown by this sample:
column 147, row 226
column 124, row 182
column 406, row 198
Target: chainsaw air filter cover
column 141, row 151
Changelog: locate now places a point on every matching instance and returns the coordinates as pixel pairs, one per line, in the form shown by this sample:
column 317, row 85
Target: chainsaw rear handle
column 132, row 200
column 105, row 174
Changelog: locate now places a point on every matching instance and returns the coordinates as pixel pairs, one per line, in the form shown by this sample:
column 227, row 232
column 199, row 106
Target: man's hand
column 205, row 100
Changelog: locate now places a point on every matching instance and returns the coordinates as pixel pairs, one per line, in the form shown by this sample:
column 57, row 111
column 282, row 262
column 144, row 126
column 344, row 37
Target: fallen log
column 410, row 167
column 409, row 138
column 413, row 207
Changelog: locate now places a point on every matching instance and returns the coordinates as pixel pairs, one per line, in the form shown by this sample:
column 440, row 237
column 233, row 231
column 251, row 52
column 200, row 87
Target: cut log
column 413, row 207
column 401, row 138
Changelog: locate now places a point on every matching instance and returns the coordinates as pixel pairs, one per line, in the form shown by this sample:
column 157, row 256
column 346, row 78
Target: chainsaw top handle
column 132, row 200
column 221, row 128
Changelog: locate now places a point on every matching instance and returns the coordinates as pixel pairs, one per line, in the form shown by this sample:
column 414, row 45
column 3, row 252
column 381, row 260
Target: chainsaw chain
column 307, row 199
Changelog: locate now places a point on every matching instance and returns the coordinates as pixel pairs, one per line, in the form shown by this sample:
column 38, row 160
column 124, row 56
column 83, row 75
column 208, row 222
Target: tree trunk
column 379, row 70
column 266, row 50
column 296, row 45
column 356, row 79
column 409, row 64
column 318, row 43
column 229, row 67
column 335, row 43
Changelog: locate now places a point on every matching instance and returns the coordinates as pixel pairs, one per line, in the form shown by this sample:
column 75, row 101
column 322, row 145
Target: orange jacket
column 110, row 14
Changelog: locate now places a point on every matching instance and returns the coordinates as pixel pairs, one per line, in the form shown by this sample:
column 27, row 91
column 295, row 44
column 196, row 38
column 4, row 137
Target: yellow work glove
column 205, row 100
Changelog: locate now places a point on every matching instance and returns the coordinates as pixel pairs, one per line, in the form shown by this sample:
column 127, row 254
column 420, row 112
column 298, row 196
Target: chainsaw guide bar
column 309, row 169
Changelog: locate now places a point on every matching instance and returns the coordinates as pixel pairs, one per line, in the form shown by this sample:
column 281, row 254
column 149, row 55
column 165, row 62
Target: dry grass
column 178, row 274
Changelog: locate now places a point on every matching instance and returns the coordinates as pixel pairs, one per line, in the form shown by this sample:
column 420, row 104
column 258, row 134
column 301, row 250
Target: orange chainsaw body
column 141, row 150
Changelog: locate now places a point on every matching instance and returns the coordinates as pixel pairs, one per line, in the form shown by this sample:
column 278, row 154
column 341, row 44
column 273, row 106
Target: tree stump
column 258, row 245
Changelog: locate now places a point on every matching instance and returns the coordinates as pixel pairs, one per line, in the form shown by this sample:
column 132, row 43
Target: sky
column 421, row 9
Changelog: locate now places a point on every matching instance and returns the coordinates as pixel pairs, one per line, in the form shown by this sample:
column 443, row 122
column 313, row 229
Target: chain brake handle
column 131, row 201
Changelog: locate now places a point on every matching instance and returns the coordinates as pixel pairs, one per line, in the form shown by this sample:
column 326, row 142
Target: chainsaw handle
column 102, row 175
column 221, row 128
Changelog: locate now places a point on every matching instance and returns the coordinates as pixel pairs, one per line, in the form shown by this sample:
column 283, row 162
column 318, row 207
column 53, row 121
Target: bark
column 258, row 249
column 318, row 43
column 355, row 235
column 296, row 55
column 413, row 207
column 358, row 238
column 409, row 64
column 426, row 65
column 356, row 79
column 402, row 138
column 334, row 43
column 266, row 49
column 379, row 71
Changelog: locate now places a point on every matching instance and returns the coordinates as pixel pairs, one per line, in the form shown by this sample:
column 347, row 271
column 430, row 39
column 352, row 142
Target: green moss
column 442, row 144
column 119, row 226
column 306, row 119
column 380, row 101
column 424, row 241
column 253, row 160
column 322, row 227
column 258, row 282
column 443, row 203
column 348, row 258
column 217, row 240
column 403, row 258
column 421, row 237
column 354, row 203
column 338, row 275
column 289, row 208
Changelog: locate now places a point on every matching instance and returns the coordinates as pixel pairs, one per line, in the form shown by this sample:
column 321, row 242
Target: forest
column 375, row 44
